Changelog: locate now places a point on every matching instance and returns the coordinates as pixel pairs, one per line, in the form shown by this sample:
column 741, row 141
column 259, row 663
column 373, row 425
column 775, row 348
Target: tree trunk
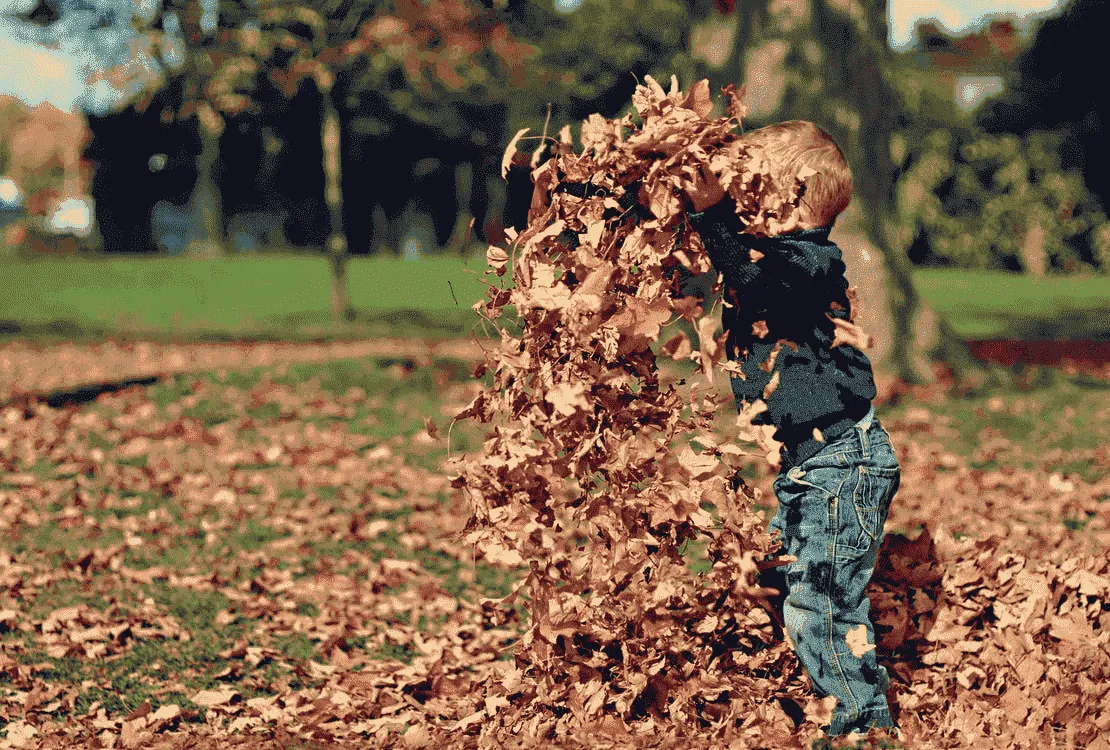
column 341, row 309
column 206, row 194
column 751, row 19
column 460, row 235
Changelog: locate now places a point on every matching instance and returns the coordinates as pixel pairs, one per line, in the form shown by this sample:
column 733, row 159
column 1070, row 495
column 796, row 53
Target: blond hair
column 790, row 146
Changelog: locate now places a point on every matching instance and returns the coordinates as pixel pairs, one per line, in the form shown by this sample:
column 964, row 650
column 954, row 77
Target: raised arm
column 719, row 228
column 798, row 266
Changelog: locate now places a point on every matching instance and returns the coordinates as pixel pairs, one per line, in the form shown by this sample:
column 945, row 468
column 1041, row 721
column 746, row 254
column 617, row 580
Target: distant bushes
column 975, row 200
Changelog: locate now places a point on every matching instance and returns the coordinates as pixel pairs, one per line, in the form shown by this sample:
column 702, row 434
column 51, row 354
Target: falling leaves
column 510, row 152
column 339, row 577
column 581, row 425
column 847, row 332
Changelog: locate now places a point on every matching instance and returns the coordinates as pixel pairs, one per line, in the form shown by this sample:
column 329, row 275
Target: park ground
column 247, row 548
column 252, row 537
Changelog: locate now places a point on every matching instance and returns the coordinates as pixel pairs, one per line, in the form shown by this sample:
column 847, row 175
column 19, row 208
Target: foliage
column 588, row 475
column 1050, row 89
column 974, row 195
column 433, row 62
column 181, row 39
column 591, row 60
column 981, row 200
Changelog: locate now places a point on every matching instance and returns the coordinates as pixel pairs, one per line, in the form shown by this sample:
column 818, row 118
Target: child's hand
column 705, row 190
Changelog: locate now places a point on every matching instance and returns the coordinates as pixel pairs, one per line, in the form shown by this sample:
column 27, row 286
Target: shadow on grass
column 312, row 327
column 1074, row 323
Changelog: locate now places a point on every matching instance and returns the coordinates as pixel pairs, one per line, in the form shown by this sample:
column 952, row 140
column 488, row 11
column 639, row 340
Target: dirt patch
column 27, row 368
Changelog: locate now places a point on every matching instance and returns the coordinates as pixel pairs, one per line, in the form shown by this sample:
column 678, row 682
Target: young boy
column 838, row 471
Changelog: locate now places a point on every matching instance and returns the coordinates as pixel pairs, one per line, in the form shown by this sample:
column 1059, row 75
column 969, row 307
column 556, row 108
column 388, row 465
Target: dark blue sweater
column 791, row 289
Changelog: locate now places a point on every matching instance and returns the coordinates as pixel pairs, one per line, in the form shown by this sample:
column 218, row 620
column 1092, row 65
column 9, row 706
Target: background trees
column 933, row 187
column 1052, row 89
column 341, row 114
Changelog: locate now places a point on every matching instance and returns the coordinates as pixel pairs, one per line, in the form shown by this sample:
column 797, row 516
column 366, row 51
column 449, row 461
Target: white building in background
column 11, row 197
column 971, row 91
column 72, row 216
column 975, row 63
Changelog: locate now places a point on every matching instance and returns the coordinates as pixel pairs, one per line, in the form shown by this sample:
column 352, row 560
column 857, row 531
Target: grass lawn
column 274, row 296
column 1000, row 305
column 210, row 542
column 155, row 587
column 287, row 297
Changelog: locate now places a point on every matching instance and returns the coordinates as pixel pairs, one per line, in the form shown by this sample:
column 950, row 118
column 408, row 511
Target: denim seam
column 880, row 712
column 853, row 709
column 830, row 628
column 869, row 496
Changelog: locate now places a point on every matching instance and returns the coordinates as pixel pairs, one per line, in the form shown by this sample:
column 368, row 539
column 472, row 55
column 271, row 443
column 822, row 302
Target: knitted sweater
column 790, row 289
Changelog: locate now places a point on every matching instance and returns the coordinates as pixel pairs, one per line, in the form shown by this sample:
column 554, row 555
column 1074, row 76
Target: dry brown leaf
column 510, row 151
column 857, row 641
column 846, row 332
column 210, row 698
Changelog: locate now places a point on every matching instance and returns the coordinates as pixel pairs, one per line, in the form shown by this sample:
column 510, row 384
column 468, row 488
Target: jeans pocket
column 881, row 449
column 871, row 501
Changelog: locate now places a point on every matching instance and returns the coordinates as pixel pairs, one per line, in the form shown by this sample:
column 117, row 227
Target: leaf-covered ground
column 32, row 367
column 269, row 557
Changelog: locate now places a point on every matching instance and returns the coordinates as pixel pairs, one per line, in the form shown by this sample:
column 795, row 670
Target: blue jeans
column 832, row 508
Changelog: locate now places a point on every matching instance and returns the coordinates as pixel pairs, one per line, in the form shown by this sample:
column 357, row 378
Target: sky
column 54, row 63
column 956, row 15
column 92, row 31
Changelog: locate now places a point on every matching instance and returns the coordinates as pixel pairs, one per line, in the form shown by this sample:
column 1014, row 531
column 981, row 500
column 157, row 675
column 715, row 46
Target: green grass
column 997, row 304
column 286, row 296
column 273, row 296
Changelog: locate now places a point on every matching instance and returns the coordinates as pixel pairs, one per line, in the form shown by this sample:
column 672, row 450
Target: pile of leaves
column 589, row 476
column 995, row 648
column 247, row 554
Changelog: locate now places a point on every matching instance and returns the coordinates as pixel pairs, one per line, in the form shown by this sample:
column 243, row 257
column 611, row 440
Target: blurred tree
column 41, row 153
column 143, row 157
column 442, row 64
column 431, row 89
column 1013, row 197
column 976, row 200
column 201, row 44
column 299, row 42
column 590, row 60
